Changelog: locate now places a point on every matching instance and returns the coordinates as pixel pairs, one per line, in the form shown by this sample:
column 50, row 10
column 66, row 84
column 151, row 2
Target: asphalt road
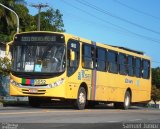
column 25, row 117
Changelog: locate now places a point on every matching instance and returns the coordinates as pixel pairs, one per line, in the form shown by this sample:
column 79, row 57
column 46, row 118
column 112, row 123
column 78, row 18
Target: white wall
column 2, row 52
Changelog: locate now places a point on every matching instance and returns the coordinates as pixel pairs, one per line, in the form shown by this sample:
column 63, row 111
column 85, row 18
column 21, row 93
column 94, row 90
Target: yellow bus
column 58, row 66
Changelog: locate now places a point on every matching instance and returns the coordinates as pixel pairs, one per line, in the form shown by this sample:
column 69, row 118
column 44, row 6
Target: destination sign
column 39, row 38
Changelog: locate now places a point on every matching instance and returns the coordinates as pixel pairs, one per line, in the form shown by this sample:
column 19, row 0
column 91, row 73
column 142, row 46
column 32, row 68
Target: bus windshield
column 48, row 58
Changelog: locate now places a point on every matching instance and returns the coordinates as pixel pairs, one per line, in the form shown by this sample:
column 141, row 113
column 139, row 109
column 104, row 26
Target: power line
column 115, row 16
column 136, row 10
column 39, row 6
column 141, row 36
column 122, row 28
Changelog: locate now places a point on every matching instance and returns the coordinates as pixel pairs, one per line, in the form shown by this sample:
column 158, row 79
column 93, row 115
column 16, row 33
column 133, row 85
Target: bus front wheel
column 81, row 99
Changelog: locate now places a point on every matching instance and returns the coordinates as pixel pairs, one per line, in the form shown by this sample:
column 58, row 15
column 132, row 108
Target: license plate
column 33, row 90
column 39, row 82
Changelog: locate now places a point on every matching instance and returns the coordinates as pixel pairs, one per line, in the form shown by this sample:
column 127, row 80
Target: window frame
column 149, row 63
column 123, row 64
column 131, row 66
column 92, row 56
column 140, row 67
column 68, row 58
column 99, row 59
column 116, row 62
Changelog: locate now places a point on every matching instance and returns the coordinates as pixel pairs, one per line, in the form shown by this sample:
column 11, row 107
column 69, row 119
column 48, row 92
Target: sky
column 134, row 24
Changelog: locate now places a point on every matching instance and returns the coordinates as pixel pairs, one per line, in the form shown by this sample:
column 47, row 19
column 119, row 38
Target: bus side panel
column 141, row 90
column 110, row 87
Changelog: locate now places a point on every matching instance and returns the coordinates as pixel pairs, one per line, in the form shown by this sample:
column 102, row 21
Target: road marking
column 45, row 111
column 37, row 112
column 73, row 111
column 113, row 121
column 135, row 120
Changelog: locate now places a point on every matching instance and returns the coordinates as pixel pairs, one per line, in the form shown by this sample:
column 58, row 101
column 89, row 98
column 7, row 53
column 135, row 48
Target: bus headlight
column 57, row 83
column 15, row 83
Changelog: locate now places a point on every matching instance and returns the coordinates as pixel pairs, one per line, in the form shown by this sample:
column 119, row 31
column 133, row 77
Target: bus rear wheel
column 126, row 104
column 127, row 100
column 81, row 99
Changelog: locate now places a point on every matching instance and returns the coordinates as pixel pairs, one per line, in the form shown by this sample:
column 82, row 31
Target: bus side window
column 88, row 56
column 73, row 63
column 101, row 59
column 112, row 62
column 130, row 65
column 122, row 59
column 145, row 69
column 138, row 67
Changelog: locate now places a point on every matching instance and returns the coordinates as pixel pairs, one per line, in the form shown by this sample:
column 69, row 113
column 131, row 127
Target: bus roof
column 116, row 48
column 130, row 50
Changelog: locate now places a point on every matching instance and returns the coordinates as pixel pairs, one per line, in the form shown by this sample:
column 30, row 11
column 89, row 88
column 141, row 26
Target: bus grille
column 33, row 85
column 37, row 92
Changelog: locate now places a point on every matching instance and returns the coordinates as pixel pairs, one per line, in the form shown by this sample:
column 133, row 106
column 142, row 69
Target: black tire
column 127, row 100
column 34, row 101
column 126, row 104
column 81, row 99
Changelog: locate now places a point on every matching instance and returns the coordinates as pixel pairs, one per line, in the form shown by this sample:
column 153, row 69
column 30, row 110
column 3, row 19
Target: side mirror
column 72, row 55
column 7, row 49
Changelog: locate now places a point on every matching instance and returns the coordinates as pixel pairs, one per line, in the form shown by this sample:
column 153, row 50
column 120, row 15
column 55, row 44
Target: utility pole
column 15, row 15
column 39, row 6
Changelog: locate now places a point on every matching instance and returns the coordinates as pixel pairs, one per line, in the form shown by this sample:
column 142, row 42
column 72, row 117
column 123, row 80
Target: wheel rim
column 82, row 98
column 127, row 101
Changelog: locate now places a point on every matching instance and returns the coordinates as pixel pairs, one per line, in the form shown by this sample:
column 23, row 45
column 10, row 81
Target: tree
column 5, row 66
column 156, row 77
column 8, row 20
column 51, row 20
column 24, row 17
column 155, row 95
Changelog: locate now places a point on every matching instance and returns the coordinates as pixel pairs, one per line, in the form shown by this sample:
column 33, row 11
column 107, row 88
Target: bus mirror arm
column 7, row 49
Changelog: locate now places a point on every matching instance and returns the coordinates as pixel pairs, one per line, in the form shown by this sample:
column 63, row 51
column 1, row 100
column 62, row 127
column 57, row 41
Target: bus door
column 73, row 61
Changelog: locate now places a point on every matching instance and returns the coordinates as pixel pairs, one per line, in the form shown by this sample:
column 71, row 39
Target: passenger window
column 112, row 61
column 88, row 56
column 145, row 69
column 130, row 66
column 101, row 59
column 138, row 67
column 72, row 64
column 122, row 64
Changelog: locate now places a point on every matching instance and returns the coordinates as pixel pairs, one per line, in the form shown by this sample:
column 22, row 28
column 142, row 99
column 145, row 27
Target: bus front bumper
column 58, row 91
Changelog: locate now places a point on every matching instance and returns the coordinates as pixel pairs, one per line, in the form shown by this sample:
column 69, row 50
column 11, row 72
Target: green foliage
column 51, row 20
column 4, row 38
column 155, row 93
column 8, row 20
column 24, row 16
column 5, row 66
column 156, row 77
column 155, row 84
